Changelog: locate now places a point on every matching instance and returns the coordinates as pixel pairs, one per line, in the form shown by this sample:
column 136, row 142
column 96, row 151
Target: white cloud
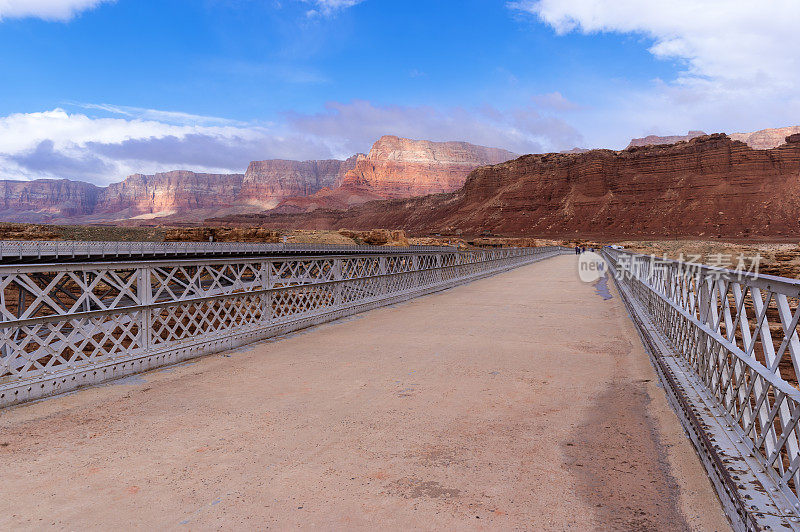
column 734, row 40
column 58, row 144
column 738, row 68
column 170, row 117
column 61, row 10
column 100, row 149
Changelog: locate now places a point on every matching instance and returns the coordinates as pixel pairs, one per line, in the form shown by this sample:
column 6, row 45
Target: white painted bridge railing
column 735, row 335
column 71, row 324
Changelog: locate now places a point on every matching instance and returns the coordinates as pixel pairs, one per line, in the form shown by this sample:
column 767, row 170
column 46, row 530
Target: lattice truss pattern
column 738, row 333
column 62, row 319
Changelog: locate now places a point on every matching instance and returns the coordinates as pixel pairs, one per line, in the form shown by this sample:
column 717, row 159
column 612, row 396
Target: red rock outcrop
column 399, row 168
column 394, row 167
column 710, row 186
column 267, row 183
column 44, row 198
column 654, row 140
column 338, row 198
column 169, row 193
column 766, row 138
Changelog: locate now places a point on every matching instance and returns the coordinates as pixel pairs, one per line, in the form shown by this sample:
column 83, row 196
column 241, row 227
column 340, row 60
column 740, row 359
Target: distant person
column 577, row 250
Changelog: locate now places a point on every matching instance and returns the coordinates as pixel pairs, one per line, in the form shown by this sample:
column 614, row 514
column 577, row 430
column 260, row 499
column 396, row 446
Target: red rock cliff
column 398, row 167
column 169, row 192
column 42, row 198
column 651, row 140
column 267, row 183
column 709, row 186
column 766, row 138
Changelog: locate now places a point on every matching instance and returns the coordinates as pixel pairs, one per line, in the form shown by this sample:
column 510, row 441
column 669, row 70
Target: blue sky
column 93, row 89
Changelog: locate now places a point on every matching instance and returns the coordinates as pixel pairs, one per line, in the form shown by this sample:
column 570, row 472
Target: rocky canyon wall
column 709, row 186
column 394, row 167
column 41, row 199
column 398, row 167
column 169, row 193
column 267, row 183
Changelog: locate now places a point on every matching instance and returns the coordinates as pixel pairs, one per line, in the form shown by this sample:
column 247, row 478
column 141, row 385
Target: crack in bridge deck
column 524, row 400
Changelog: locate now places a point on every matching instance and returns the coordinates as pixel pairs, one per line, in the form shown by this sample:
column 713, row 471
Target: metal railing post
column 145, row 296
column 266, row 298
column 337, row 287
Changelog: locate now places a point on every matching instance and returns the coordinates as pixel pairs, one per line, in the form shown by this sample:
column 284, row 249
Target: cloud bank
column 740, row 42
column 58, row 10
column 736, row 59
column 75, row 145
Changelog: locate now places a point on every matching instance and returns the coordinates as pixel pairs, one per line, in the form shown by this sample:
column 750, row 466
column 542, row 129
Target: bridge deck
column 523, row 400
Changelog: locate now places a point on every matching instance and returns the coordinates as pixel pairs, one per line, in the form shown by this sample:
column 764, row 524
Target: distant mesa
column 764, row 139
column 696, row 188
column 656, row 187
column 267, row 183
column 394, row 168
column 655, row 140
column 401, row 168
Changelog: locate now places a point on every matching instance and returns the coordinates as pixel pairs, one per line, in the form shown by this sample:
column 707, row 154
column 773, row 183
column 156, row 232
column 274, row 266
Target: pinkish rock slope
column 399, row 168
column 41, row 199
column 655, row 140
column 766, row 139
column 394, row 167
column 267, row 183
column 169, row 192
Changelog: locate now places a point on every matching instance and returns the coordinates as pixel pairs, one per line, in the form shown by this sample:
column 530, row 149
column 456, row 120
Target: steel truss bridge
column 68, row 324
column 724, row 343
column 726, row 349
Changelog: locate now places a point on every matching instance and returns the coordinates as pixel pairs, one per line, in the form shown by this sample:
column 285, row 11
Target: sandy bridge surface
column 522, row 401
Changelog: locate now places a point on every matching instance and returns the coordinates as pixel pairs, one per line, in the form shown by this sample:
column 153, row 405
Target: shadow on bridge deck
column 523, row 400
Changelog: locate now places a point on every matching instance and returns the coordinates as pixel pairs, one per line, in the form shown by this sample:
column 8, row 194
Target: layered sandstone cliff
column 766, row 138
column 267, row 183
column 654, row 140
column 710, row 186
column 394, row 167
column 43, row 198
column 169, row 193
column 399, row 167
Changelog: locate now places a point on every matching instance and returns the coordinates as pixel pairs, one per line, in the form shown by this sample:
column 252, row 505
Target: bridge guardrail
column 731, row 343
column 13, row 249
column 72, row 324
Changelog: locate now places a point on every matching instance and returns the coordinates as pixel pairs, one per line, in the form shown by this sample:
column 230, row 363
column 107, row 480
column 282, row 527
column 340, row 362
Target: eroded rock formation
column 44, row 198
column 766, row 138
column 168, row 193
column 267, row 183
column 397, row 167
column 654, row 140
column 394, row 167
column 709, row 186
